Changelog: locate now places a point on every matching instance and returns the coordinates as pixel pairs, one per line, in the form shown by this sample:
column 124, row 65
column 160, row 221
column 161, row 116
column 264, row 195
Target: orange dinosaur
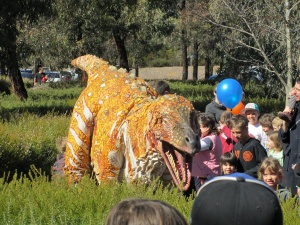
column 121, row 129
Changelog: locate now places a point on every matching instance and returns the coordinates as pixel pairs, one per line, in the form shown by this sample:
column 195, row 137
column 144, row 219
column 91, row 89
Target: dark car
column 53, row 76
column 66, row 75
column 27, row 73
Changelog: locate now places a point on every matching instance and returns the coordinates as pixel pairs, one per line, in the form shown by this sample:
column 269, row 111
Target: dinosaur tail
column 91, row 65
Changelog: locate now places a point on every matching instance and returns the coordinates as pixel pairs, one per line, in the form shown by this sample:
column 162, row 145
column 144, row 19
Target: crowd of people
column 247, row 164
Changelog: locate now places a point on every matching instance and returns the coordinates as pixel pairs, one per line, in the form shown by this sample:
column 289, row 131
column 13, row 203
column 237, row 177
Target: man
column 289, row 135
column 249, row 152
column 37, row 79
column 214, row 109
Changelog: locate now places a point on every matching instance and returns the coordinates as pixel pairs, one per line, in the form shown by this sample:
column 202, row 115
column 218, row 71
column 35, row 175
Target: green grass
column 37, row 201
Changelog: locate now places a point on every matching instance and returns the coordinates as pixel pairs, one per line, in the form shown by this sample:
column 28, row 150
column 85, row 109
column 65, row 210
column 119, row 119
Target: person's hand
column 298, row 192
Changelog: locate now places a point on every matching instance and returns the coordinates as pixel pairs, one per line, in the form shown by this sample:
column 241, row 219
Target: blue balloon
column 229, row 93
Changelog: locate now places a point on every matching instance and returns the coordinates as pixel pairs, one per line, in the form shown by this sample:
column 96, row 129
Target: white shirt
column 258, row 133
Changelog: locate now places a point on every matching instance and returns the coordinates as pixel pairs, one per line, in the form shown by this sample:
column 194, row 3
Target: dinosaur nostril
column 187, row 139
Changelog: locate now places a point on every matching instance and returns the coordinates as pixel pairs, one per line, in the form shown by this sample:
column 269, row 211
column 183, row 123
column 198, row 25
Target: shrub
column 38, row 201
column 4, row 87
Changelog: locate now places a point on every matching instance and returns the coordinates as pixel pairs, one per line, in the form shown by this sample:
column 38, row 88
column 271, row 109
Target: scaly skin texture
column 120, row 129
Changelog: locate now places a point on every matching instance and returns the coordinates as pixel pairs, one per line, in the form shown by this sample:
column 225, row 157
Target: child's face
column 271, row 179
column 276, row 128
column 252, row 116
column 240, row 134
column 267, row 129
column 204, row 130
column 270, row 144
column 228, row 168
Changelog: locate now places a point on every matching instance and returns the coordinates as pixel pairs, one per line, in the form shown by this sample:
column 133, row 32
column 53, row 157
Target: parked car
column 54, row 76
column 66, row 75
column 27, row 73
column 253, row 72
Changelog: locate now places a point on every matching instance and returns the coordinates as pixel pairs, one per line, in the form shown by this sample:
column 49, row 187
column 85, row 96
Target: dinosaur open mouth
column 179, row 165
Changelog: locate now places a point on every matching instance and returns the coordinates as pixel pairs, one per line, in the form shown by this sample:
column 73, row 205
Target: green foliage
column 4, row 87
column 38, row 201
column 28, row 139
column 40, row 102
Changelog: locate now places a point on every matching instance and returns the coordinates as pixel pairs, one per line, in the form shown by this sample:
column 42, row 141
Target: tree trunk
column 183, row 40
column 195, row 61
column 184, row 56
column 122, row 53
column 288, row 50
column 207, row 66
column 136, row 70
column 13, row 71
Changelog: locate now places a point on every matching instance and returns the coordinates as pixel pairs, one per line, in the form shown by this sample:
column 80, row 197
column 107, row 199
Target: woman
column 206, row 163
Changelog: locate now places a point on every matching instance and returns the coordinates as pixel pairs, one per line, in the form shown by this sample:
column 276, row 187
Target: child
column 248, row 150
column 144, row 212
column 266, row 123
column 274, row 146
column 228, row 163
column 276, row 123
column 57, row 168
column 271, row 173
column 254, row 127
column 162, row 87
column 228, row 140
column 206, row 163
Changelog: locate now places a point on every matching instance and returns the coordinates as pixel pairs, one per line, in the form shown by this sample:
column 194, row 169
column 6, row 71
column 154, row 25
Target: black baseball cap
column 236, row 199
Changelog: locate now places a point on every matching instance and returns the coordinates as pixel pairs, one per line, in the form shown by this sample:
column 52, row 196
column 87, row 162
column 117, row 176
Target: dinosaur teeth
column 174, row 166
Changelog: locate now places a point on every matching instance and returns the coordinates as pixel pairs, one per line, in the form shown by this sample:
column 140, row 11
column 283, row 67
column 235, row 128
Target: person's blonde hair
column 275, row 138
column 277, row 121
column 272, row 165
column 136, row 211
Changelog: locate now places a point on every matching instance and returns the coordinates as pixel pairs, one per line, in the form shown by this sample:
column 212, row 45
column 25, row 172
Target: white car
column 54, row 76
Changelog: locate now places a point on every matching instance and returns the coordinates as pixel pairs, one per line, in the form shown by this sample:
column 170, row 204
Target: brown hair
column 207, row 121
column 238, row 121
column 226, row 117
column 266, row 120
column 144, row 212
column 162, row 87
column 272, row 165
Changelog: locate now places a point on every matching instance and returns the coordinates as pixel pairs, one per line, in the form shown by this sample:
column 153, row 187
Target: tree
column 204, row 36
column 264, row 32
column 15, row 14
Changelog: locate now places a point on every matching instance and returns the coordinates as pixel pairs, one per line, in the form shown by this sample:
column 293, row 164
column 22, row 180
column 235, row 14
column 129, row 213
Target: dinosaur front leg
column 77, row 161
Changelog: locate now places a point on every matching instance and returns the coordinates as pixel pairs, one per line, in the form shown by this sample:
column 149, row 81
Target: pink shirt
column 208, row 162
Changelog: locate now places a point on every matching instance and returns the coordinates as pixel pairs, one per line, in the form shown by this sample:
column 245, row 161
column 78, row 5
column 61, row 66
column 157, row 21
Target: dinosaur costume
column 121, row 129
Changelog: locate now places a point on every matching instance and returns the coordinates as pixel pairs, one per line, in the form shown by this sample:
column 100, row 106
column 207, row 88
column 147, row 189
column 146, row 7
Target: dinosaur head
column 173, row 130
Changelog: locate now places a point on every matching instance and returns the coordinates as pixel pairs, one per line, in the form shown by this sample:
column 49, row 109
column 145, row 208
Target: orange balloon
column 238, row 109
